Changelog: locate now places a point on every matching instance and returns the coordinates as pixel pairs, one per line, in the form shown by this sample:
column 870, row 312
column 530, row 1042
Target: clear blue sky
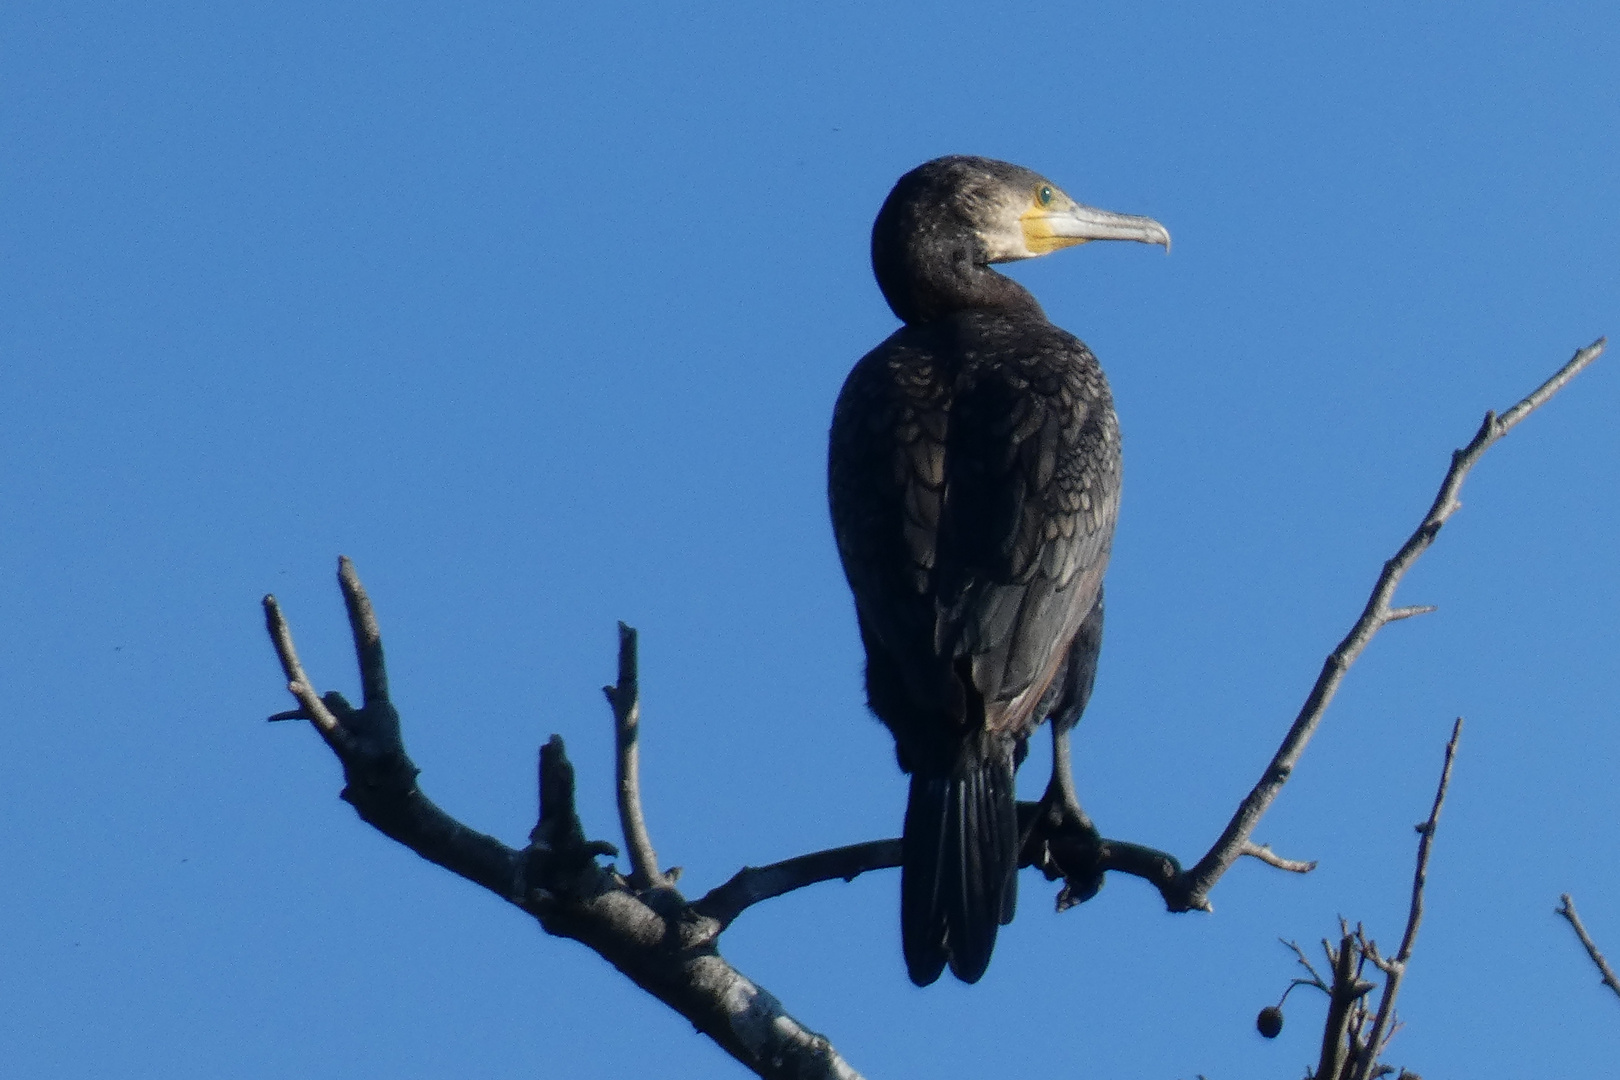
column 538, row 312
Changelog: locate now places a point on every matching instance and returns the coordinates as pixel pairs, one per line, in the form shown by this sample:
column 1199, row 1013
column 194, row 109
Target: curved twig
column 1264, row 853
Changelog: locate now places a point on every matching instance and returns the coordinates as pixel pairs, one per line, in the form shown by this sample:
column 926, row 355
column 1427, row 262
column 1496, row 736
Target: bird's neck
column 928, row 279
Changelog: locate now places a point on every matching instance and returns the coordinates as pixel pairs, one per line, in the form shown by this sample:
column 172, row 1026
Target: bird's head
column 954, row 214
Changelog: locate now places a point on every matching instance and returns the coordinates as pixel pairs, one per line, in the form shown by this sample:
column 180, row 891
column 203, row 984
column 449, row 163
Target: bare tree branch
column 652, row 935
column 752, row 884
column 1566, row 908
column 1059, row 853
column 1395, row 969
column 380, row 781
column 1191, row 891
column 625, row 698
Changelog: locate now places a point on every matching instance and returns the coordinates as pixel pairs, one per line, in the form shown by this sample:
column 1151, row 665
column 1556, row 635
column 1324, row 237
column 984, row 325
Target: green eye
column 1044, row 195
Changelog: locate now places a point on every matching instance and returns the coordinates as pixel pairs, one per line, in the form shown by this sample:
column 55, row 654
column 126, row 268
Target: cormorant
column 974, row 475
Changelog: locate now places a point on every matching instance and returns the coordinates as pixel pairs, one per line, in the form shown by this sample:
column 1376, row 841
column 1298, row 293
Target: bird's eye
column 1043, row 195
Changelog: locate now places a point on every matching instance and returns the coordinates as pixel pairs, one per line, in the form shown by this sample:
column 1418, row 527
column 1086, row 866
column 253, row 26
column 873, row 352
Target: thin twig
column 1374, row 616
column 1299, row 955
column 625, row 698
column 1264, row 853
column 1394, row 969
column 1566, row 908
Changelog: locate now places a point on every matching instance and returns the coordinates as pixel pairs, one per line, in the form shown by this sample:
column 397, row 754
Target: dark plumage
column 974, row 478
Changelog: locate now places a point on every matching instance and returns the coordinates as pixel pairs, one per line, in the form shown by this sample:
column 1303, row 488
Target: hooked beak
column 1047, row 229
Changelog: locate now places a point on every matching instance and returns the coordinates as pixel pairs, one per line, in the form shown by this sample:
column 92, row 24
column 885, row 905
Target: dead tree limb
column 649, row 932
column 1566, row 908
column 667, row 945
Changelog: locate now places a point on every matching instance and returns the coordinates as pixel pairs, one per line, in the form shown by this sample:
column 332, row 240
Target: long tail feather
column 957, row 881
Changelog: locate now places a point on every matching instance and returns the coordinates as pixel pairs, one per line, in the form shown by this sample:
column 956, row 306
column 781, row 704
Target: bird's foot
column 1061, row 842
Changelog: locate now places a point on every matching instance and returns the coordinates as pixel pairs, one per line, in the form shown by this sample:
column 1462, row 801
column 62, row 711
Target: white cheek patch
column 1008, row 243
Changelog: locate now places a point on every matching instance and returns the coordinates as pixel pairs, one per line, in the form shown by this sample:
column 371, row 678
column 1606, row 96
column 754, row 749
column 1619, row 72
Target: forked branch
column 651, row 934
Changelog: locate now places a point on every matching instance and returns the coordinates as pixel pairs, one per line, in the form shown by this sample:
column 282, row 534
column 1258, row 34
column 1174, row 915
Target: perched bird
column 974, row 475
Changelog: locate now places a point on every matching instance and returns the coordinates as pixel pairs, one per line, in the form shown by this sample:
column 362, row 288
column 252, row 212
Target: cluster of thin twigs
column 1355, row 1035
